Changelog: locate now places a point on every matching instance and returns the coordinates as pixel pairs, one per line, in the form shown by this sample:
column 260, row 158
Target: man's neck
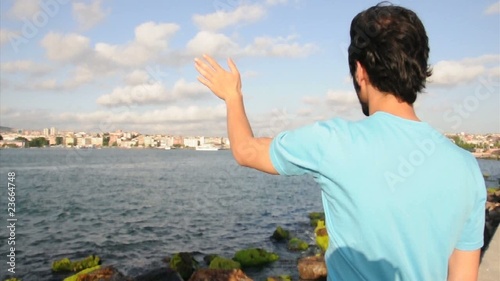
column 388, row 103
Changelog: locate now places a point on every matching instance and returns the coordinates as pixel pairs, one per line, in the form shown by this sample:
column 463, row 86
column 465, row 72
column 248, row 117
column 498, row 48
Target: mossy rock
column 209, row 258
column 13, row 279
column 223, row 263
column 66, row 264
column 254, row 257
column 184, row 264
column 76, row 277
column 296, row 244
column 492, row 190
column 280, row 234
column 314, row 217
column 280, row 278
column 321, row 235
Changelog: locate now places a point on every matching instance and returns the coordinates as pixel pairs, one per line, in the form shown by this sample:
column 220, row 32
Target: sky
column 107, row 65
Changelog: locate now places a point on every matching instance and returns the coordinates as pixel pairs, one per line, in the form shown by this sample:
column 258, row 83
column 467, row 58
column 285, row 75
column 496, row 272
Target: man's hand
column 224, row 84
column 247, row 150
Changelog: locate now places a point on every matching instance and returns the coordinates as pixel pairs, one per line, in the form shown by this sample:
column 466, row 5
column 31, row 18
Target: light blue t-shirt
column 398, row 196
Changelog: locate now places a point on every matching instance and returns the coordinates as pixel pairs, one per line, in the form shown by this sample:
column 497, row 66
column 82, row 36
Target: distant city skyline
column 98, row 66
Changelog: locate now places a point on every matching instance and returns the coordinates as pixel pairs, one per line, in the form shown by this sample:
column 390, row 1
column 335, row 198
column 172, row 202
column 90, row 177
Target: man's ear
column 360, row 75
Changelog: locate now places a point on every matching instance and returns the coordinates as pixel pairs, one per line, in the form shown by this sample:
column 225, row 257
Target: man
column 401, row 201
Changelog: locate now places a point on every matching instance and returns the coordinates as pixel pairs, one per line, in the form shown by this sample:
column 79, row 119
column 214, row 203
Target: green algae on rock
column 280, row 278
column 223, row 263
column 280, row 234
column 254, row 257
column 314, row 217
column 184, row 264
column 75, row 277
column 296, row 244
column 321, row 235
column 66, row 264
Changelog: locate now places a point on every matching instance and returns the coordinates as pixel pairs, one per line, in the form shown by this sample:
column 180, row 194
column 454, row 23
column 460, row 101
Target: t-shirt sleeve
column 472, row 235
column 299, row 151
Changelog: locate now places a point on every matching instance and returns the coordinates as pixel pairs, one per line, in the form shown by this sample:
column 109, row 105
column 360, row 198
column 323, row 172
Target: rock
column 314, row 217
column 66, row 264
column 184, row 264
column 279, row 278
column 222, row 263
column 208, row 258
column 321, row 236
column 97, row 273
column 311, row 268
column 160, row 274
column 219, row 275
column 296, row 244
column 280, row 234
column 493, row 195
column 254, row 257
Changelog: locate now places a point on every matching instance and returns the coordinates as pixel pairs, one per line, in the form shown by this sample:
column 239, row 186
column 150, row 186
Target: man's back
column 395, row 206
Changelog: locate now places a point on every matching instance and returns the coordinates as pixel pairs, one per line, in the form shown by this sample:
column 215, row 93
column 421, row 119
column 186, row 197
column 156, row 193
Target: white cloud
column 24, row 8
column 219, row 45
column 169, row 120
column 88, row 15
column 341, row 103
column 215, row 44
column 24, row 67
column 155, row 35
column 493, row 9
column 138, row 94
column 311, row 100
column 137, row 77
column 449, row 73
column 81, row 75
column 150, row 40
column 279, row 47
column 65, row 47
column 154, row 93
column 183, row 89
column 339, row 97
column 222, row 19
column 47, row 85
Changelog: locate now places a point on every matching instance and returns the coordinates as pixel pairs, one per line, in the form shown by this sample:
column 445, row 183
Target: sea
column 135, row 207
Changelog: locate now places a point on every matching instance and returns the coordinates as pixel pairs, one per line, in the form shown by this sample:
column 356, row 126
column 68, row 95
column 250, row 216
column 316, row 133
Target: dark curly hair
column 392, row 45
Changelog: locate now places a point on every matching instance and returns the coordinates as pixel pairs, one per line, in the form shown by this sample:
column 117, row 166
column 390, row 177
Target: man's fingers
column 232, row 66
column 203, row 69
column 205, row 81
column 212, row 63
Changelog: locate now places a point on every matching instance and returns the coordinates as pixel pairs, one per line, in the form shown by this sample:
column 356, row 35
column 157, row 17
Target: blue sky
column 103, row 65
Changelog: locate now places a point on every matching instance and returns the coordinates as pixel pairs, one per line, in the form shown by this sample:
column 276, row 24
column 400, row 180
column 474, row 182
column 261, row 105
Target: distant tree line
column 467, row 146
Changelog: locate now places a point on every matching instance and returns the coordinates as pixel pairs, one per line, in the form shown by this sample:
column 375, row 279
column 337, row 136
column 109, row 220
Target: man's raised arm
column 247, row 150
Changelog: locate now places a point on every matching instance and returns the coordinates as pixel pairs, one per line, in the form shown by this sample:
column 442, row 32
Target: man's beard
column 364, row 105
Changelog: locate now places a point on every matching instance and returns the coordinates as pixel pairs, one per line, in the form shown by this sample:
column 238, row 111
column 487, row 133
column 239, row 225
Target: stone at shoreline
column 280, row 234
column 312, row 268
column 314, row 217
column 160, row 274
column 66, row 264
column 208, row 258
column 223, row 263
column 184, row 264
column 492, row 214
column 219, row 275
column 254, row 257
column 279, row 278
column 321, row 235
column 296, row 244
column 108, row 273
